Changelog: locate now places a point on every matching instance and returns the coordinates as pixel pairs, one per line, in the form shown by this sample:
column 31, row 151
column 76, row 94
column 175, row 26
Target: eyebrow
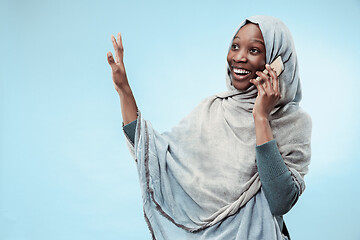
column 253, row 40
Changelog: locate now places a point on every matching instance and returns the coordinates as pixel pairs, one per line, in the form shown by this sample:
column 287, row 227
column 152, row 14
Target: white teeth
column 241, row 71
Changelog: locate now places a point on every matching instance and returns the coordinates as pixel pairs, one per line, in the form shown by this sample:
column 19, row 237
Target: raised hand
column 268, row 97
column 118, row 68
column 268, row 93
column 127, row 100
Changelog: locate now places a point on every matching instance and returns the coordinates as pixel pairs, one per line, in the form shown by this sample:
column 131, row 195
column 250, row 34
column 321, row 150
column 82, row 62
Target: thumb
column 255, row 82
column 110, row 59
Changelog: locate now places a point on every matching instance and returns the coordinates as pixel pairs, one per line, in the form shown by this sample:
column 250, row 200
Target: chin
column 241, row 85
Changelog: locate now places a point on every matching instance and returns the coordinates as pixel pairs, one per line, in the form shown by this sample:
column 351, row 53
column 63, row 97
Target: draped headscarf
column 204, row 170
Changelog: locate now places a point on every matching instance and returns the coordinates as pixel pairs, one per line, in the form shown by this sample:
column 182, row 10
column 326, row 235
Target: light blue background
column 66, row 172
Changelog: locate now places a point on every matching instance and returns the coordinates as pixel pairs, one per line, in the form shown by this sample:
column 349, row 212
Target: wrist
column 260, row 118
column 262, row 130
column 123, row 88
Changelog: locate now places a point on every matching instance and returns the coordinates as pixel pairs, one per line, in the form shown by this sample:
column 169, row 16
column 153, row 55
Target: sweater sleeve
column 279, row 187
column 129, row 130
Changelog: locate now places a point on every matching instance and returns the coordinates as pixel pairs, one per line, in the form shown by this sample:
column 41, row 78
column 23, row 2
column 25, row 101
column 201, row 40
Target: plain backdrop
column 65, row 170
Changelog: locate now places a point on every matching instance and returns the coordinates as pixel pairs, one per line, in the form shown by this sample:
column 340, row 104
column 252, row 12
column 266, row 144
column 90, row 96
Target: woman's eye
column 254, row 50
column 234, row 46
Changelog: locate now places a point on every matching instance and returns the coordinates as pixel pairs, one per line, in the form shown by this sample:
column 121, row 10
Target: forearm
column 278, row 184
column 127, row 100
column 128, row 104
column 263, row 130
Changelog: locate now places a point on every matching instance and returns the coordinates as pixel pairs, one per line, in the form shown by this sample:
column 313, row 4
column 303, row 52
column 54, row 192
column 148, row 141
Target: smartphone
column 277, row 65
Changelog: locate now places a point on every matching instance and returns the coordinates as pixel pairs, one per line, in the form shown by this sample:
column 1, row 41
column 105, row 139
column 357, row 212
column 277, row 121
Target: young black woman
column 236, row 164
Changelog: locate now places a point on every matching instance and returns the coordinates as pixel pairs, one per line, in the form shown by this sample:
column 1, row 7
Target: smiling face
column 246, row 56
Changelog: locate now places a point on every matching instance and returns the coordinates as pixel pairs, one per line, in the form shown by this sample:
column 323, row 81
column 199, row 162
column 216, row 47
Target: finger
column 266, row 80
column 259, row 86
column 116, row 48
column 120, row 43
column 110, row 59
column 275, row 78
column 277, row 86
column 120, row 47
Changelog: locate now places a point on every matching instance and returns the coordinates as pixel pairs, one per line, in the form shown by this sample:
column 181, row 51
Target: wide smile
column 240, row 74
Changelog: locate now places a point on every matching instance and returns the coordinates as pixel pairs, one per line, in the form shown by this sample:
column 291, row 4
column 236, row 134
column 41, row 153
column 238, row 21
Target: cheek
column 259, row 62
column 228, row 58
column 262, row 64
column 263, row 59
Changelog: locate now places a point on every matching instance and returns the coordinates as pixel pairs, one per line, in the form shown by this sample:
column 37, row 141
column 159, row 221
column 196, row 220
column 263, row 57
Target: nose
column 240, row 56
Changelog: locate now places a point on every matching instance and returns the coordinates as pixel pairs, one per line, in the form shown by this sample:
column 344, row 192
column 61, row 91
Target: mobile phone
column 277, row 65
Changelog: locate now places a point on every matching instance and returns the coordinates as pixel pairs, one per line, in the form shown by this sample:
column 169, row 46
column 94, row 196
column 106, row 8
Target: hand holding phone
column 277, row 65
column 268, row 89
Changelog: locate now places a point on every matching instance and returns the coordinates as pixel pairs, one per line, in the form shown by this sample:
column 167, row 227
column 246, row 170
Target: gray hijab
column 203, row 172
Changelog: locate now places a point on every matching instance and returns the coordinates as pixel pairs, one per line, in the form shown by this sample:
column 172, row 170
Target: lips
column 239, row 67
column 240, row 73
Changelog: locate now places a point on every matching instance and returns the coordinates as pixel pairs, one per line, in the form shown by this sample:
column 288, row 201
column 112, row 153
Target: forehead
column 249, row 31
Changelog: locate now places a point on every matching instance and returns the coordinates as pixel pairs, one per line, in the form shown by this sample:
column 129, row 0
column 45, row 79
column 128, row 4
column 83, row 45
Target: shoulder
column 304, row 119
column 292, row 125
column 205, row 104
